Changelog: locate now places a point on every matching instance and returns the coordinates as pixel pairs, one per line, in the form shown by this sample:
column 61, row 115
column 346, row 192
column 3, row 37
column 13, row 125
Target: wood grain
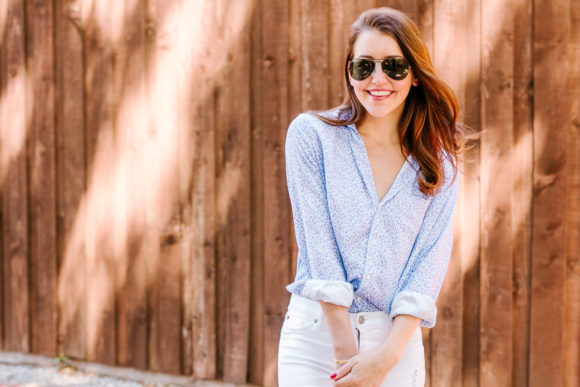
column 496, row 187
column 256, row 358
column 470, row 196
column 572, row 291
column 164, row 233
column 70, row 176
column 314, row 55
column 406, row 6
column 446, row 337
column 129, row 84
column 276, row 241
column 233, row 191
column 103, row 211
column 203, row 206
column 41, row 172
column 340, row 14
column 551, row 35
column 13, row 113
column 522, row 188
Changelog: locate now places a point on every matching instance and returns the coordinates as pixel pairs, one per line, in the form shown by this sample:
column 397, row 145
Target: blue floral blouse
column 357, row 250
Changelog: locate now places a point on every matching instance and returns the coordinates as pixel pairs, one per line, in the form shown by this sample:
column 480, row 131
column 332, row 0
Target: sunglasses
column 395, row 67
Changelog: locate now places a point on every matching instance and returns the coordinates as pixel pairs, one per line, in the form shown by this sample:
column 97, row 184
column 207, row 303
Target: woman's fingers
column 347, row 381
column 346, row 368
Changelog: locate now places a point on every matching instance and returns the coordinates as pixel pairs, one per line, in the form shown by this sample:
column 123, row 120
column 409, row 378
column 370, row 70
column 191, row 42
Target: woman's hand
column 366, row 369
column 344, row 354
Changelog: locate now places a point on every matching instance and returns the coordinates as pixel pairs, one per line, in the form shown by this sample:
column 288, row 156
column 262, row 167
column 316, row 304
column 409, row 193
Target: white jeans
column 305, row 354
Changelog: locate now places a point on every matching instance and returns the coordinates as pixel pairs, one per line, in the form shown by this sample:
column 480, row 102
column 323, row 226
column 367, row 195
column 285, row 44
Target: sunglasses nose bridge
column 378, row 70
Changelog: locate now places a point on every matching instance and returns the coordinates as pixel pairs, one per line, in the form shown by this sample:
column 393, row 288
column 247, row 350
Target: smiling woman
column 373, row 188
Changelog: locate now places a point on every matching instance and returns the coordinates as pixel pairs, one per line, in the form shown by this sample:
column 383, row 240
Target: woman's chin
column 379, row 113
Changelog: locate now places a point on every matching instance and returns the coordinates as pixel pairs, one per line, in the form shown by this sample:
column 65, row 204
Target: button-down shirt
column 357, row 250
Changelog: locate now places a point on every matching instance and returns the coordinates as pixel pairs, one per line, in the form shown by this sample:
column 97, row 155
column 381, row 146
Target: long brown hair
column 428, row 126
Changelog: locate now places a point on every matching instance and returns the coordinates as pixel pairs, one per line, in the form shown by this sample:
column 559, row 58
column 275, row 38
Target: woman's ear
column 415, row 82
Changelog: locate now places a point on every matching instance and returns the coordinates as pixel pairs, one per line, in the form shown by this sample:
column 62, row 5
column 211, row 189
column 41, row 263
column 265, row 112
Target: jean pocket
column 300, row 322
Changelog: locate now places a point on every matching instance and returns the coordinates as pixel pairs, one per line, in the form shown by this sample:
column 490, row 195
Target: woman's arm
column 338, row 322
column 404, row 326
column 320, row 273
column 371, row 368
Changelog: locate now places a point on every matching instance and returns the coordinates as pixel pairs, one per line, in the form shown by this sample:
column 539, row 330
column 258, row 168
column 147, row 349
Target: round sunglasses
column 396, row 67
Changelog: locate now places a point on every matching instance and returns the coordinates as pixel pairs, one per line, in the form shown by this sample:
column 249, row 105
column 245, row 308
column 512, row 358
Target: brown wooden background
column 145, row 219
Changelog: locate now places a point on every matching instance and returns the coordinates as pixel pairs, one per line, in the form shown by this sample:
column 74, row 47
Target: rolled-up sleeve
column 318, row 251
column 423, row 278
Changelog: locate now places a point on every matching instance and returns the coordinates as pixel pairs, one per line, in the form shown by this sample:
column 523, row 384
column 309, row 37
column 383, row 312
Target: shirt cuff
column 417, row 305
column 334, row 292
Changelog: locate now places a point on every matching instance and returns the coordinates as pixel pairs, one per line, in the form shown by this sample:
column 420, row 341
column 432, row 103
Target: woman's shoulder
column 311, row 124
column 450, row 171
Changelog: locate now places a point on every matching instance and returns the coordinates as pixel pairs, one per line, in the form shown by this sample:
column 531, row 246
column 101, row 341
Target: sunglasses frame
column 383, row 61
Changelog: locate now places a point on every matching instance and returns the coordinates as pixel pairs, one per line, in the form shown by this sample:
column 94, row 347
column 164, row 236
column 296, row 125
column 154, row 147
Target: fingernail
column 332, row 376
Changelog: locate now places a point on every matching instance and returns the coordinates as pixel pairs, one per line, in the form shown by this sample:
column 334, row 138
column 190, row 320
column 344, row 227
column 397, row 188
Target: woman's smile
column 379, row 94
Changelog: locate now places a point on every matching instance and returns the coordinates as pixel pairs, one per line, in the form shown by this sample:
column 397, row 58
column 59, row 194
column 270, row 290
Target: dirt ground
column 45, row 376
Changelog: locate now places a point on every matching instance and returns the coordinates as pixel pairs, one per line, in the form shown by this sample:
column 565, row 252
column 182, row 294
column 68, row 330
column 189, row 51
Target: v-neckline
column 367, row 171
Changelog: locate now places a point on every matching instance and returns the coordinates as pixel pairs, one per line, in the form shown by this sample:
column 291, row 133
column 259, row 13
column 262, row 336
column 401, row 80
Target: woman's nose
column 378, row 74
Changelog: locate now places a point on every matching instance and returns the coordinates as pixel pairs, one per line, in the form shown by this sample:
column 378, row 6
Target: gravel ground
column 48, row 376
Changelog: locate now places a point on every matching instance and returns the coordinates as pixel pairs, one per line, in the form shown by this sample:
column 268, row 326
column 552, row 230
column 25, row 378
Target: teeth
column 379, row 92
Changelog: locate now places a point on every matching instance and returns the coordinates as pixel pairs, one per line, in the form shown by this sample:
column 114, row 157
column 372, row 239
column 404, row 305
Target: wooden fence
column 145, row 220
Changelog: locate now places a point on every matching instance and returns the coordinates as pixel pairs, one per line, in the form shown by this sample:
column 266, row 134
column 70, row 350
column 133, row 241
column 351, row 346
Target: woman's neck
column 382, row 132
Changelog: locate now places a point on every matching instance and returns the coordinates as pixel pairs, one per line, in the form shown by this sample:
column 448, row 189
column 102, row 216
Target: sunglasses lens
column 361, row 68
column 396, row 68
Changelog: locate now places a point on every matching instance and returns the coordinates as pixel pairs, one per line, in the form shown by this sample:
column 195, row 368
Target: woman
column 373, row 187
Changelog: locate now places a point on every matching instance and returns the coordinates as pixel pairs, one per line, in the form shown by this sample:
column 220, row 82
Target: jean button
column 361, row 319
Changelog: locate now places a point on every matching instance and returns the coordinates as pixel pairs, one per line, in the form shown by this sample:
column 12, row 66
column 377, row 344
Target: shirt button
column 374, row 242
column 358, row 299
column 361, row 319
column 368, row 277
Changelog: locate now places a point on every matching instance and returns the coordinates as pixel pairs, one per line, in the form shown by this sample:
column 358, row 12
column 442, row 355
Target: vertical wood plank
column 233, row 189
column 551, row 21
column 522, row 194
column 339, row 21
column 41, row 170
column 197, row 178
column 189, row 30
column 572, row 291
column 70, row 175
column 3, row 161
column 294, row 98
column 342, row 14
column 102, row 196
column 406, row 6
column 295, row 63
column 163, row 207
column 424, row 20
column 13, row 124
column 257, row 359
column 496, row 187
column 201, row 207
column 470, row 195
column 128, row 30
column 446, row 337
column 275, row 121
column 314, row 55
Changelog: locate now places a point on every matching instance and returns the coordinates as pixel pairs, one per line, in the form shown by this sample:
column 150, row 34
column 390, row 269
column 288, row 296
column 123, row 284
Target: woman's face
column 380, row 95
